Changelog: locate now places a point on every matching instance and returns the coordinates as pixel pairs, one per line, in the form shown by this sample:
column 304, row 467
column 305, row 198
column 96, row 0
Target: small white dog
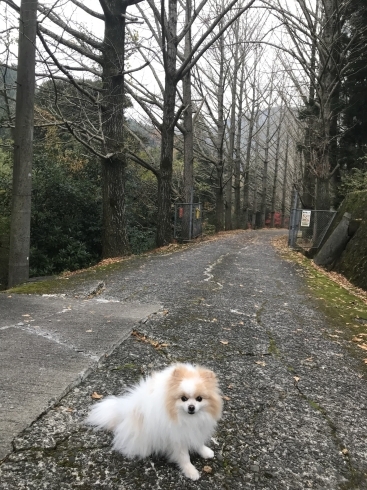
column 171, row 412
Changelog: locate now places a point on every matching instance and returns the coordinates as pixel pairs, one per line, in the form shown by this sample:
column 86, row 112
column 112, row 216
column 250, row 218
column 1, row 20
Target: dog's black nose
column 191, row 408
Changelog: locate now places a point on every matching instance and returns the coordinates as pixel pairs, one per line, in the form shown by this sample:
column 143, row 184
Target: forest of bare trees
column 131, row 106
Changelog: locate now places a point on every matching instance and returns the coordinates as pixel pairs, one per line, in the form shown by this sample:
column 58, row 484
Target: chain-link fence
column 308, row 227
column 188, row 221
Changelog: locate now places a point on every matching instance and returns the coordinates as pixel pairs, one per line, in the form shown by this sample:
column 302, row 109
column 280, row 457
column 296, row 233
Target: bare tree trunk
column 329, row 100
column 285, row 187
column 237, row 162
column 246, row 180
column 188, row 176
column 164, row 229
column 264, row 187
column 23, row 146
column 308, row 181
column 276, row 168
column 254, row 207
column 232, row 134
column 219, row 225
column 114, row 237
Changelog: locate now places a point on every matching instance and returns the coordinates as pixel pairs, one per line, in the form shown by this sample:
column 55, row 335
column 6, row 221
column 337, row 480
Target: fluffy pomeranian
column 172, row 412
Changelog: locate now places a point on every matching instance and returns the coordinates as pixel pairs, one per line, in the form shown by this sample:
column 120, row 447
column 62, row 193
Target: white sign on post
column 306, row 218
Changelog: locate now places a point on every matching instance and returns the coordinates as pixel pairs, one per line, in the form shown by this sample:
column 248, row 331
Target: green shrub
column 141, row 240
column 66, row 209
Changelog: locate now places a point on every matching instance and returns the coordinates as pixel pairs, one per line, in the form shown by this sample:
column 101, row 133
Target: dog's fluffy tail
column 105, row 414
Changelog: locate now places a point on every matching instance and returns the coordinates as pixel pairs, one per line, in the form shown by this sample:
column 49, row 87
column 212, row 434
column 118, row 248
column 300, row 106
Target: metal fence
column 307, row 228
column 188, row 221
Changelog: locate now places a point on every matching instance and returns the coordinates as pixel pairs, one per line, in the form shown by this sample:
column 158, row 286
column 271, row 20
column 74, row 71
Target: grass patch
column 72, row 281
column 273, row 349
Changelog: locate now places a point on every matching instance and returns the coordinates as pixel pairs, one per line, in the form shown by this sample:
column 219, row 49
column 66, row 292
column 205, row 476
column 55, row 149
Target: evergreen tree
column 353, row 143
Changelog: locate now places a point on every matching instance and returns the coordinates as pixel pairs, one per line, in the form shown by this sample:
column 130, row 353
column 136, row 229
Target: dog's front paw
column 191, row 472
column 206, row 453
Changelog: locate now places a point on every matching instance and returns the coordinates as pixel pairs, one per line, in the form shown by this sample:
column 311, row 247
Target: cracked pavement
column 295, row 401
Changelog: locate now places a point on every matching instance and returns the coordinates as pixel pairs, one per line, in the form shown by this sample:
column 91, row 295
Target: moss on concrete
column 74, row 283
column 346, row 310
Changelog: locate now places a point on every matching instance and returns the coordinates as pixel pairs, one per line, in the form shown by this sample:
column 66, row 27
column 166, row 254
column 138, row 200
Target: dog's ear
column 207, row 374
column 178, row 372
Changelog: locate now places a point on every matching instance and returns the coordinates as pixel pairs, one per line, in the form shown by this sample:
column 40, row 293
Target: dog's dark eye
column 184, row 399
column 199, row 399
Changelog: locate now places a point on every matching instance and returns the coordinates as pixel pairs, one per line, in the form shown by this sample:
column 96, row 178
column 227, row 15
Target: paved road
column 295, row 413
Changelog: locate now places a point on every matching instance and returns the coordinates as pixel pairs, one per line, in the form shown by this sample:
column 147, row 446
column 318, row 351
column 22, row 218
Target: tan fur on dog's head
column 193, row 384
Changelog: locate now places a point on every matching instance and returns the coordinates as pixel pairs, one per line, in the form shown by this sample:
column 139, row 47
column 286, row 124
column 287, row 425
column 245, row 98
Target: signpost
column 306, row 218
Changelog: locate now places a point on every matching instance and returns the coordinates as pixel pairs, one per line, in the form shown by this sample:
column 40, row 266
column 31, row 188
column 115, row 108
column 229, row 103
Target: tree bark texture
column 285, row 186
column 114, row 238
column 254, row 207
column 169, row 37
column 23, row 146
column 187, row 117
column 232, row 135
column 246, row 171
column 219, row 204
column 188, row 174
column 276, row 169
column 237, row 162
column 265, row 172
column 329, row 92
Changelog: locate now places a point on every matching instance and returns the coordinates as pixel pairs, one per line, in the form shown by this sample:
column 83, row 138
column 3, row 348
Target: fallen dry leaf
column 296, row 379
column 345, row 451
column 143, row 338
column 89, row 331
column 363, row 346
column 207, row 469
column 224, row 342
column 357, row 339
column 260, row 363
column 96, row 396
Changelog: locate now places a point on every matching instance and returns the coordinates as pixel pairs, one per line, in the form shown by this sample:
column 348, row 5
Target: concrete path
column 295, row 413
column 48, row 345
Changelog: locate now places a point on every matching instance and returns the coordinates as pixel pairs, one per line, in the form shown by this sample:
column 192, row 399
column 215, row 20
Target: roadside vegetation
column 343, row 303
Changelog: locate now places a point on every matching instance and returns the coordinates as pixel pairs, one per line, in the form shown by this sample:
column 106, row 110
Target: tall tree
column 23, row 144
column 316, row 31
column 176, row 66
column 353, row 139
column 65, row 56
